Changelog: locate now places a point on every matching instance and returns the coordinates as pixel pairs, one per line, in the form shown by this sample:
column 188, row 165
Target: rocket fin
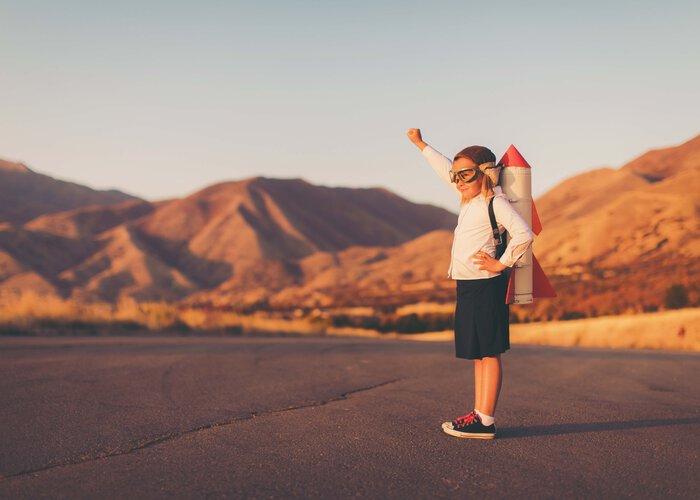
column 536, row 224
column 541, row 287
column 510, row 291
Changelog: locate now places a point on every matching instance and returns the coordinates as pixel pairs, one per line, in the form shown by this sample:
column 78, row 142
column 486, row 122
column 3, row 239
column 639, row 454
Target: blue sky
column 161, row 99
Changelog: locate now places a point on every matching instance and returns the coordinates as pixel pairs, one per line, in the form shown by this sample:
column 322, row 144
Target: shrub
column 411, row 323
column 676, row 297
column 567, row 315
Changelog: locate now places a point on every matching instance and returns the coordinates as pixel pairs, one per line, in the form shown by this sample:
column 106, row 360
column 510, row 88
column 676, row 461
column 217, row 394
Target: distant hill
column 239, row 238
column 25, row 194
column 614, row 240
column 616, row 217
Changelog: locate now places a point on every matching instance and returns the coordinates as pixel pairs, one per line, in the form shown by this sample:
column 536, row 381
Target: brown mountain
column 646, row 205
column 357, row 275
column 235, row 239
column 613, row 241
column 25, row 194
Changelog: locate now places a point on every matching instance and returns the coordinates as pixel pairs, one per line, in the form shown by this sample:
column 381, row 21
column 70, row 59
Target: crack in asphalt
column 149, row 442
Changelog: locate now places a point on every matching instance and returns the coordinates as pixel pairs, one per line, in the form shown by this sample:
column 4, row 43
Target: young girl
column 481, row 314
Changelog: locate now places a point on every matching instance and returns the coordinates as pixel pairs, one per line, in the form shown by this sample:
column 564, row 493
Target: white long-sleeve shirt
column 473, row 231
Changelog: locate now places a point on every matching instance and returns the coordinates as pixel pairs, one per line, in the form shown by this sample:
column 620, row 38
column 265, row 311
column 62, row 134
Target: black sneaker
column 469, row 426
column 459, row 421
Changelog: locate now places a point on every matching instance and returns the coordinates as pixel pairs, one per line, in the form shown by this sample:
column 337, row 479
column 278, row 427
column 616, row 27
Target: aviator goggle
column 468, row 175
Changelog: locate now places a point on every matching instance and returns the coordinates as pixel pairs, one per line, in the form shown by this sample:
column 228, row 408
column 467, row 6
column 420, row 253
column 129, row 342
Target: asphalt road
column 337, row 418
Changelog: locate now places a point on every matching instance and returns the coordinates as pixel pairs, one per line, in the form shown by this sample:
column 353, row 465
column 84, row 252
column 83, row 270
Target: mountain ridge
column 612, row 239
column 26, row 194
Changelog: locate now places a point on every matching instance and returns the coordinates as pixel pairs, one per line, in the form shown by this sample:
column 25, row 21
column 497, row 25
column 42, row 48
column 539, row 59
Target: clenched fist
column 414, row 134
column 416, row 138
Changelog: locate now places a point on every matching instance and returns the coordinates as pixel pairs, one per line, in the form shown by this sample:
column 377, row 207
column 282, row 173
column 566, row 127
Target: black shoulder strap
column 496, row 233
column 497, row 236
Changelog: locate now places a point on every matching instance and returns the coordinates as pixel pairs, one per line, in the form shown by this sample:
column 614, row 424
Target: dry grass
column 659, row 330
column 33, row 312
column 678, row 330
column 29, row 309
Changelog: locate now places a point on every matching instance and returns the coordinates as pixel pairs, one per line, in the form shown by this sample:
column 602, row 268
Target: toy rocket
column 527, row 280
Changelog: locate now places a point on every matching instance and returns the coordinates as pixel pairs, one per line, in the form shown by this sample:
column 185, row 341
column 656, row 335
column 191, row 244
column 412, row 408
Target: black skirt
column 481, row 318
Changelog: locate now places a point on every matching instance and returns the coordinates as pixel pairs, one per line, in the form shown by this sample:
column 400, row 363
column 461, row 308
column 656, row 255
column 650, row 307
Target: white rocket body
column 516, row 183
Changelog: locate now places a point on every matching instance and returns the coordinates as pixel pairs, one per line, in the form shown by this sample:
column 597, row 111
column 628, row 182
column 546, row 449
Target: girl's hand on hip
column 488, row 263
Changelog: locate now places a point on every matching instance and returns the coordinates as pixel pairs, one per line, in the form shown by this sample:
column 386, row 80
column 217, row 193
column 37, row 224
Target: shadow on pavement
column 557, row 429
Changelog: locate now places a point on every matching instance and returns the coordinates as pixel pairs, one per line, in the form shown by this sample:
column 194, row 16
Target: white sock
column 485, row 419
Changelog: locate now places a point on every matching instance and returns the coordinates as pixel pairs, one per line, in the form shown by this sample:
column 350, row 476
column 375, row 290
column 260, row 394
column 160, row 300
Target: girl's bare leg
column 491, row 379
column 478, row 381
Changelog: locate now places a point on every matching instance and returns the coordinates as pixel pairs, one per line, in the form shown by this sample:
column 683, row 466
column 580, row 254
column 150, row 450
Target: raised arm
column 440, row 163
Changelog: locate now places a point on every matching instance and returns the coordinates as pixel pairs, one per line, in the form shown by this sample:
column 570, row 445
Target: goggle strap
column 488, row 165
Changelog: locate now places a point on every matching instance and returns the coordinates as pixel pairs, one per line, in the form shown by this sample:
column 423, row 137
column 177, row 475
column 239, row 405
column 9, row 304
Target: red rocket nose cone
column 513, row 158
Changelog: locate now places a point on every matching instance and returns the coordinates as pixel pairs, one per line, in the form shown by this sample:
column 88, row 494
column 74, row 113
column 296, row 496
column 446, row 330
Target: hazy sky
column 162, row 98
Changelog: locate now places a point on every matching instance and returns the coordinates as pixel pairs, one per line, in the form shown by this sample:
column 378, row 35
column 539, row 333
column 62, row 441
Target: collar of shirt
column 496, row 191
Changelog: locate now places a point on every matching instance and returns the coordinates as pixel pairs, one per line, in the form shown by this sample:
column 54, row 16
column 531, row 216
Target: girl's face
column 471, row 189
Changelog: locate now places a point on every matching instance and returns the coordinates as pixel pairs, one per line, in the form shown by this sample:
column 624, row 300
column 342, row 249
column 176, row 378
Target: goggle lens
column 466, row 175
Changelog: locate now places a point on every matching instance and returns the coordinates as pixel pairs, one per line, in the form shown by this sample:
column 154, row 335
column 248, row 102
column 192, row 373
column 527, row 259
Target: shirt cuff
column 506, row 263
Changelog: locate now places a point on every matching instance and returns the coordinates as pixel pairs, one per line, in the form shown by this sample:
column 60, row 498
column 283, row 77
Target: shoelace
column 464, row 419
